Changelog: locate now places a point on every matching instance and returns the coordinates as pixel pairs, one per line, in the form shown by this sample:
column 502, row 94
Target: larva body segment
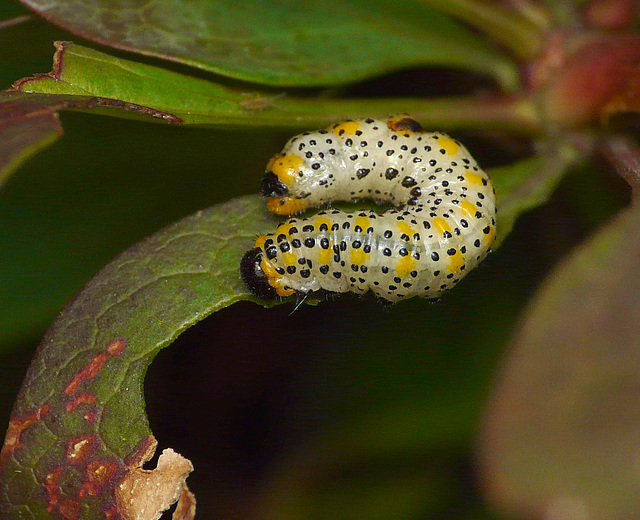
column 442, row 227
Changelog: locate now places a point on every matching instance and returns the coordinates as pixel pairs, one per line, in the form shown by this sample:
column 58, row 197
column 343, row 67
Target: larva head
column 280, row 184
column 254, row 277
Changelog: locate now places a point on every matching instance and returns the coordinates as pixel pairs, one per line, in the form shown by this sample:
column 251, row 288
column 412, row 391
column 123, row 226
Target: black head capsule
column 253, row 276
column 272, row 186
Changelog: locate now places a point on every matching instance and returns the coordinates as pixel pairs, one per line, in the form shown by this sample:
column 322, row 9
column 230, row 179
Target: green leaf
column 29, row 123
column 561, row 432
column 82, row 71
column 525, row 184
column 85, row 382
column 281, row 43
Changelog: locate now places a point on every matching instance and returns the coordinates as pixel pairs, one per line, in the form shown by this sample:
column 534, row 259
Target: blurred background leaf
column 322, row 43
column 560, row 435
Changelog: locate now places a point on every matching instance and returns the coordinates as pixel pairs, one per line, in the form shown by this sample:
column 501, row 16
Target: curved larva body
column 445, row 225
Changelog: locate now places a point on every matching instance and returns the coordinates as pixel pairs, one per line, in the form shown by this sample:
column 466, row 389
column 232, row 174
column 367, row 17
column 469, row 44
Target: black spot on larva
column 305, row 273
column 309, row 242
column 408, row 182
column 285, row 247
column 324, row 269
column 291, row 269
column 296, row 243
column 362, row 173
column 388, row 233
column 391, row 173
column 315, row 166
column 386, row 251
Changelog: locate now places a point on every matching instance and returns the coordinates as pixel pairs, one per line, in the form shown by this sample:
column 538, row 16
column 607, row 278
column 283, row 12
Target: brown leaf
column 145, row 494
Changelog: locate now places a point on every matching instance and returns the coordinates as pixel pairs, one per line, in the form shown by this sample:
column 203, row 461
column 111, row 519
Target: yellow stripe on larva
column 359, row 257
column 281, row 290
column 468, row 208
column 363, row 222
column 268, row 269
column 319, row 220
column 456, row 262
column 406, row 264
column 286, row 205
column 260, row 241
column 474, row 178
column 290, row 259
column 441, row 225
column 346, row 128
column 285, row 167
column 448, row 145
column 490, row 237
column 324, row 256
column 406, row 229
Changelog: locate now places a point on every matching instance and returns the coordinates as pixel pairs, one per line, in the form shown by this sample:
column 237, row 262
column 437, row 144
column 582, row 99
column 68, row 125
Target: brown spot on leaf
column 69, row 509
column 16, row 426
column 94, row 366
column 99, row 473
column 144, row 494
column 116, row 347
column 80, row 399
column 260, row 103
column 51, row 486
column 79, row 448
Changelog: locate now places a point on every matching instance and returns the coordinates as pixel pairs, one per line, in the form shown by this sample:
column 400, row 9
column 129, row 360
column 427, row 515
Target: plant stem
column 517, row 30
column 511, row 113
